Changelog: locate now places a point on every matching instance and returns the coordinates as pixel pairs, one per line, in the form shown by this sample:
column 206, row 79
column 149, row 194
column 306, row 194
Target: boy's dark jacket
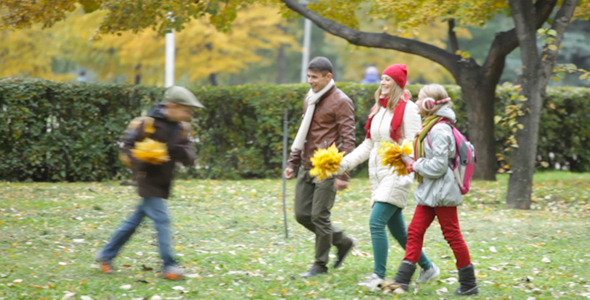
column 156, row 180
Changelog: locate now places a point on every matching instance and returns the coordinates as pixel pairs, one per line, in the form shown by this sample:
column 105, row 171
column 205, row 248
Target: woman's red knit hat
column 399, row 73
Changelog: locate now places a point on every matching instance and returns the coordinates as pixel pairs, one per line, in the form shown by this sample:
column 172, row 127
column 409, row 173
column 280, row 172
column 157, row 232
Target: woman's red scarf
column 395, row 130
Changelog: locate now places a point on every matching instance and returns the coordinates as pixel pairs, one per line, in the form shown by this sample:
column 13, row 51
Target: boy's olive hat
column 180, row 95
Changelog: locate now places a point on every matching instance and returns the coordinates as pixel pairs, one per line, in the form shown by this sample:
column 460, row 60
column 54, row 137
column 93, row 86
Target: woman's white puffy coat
column 386, row 186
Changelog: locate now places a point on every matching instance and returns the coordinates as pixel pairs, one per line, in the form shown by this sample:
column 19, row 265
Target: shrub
column 69, row 131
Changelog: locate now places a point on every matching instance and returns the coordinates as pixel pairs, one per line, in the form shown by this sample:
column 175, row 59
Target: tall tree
column 536, row 72
column 477, row 81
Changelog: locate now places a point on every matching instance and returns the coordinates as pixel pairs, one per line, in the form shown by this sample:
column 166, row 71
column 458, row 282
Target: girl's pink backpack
column 465, row 159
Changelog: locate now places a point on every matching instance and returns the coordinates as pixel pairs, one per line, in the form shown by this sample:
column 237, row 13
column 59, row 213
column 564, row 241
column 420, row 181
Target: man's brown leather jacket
column 332, row 122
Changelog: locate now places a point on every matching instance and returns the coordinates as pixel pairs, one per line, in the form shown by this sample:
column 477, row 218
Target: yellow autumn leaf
column 150, row 129
column 391, row 155
column 151, row 151
column 325, row 162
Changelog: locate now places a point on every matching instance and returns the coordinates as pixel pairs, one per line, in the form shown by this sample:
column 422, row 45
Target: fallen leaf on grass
column 68, row 296
column 450, row 280
column 442, row 291
column 356, row 252
column 145, row 268
column 180, row 288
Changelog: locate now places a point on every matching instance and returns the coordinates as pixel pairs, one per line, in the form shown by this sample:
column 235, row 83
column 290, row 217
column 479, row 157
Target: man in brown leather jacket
column 328, row 119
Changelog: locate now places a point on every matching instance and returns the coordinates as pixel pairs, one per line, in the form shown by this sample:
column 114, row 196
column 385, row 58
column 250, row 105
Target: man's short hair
column 321, row 64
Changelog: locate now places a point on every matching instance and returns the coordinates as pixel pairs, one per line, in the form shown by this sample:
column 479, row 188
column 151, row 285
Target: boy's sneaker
column 106, row 266
column 428, row 275
column 173, row 273
column 373, row 282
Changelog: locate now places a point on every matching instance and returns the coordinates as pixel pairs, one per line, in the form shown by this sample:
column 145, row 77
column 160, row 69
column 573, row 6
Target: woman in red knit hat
column 393, row 118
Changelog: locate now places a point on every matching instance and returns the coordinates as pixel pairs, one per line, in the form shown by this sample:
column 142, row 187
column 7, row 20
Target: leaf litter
column 230, row 238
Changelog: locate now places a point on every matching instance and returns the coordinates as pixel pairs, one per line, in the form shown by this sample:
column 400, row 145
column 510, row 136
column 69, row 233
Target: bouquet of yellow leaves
column 325, row 162
column 391, row 154
column 151, row 151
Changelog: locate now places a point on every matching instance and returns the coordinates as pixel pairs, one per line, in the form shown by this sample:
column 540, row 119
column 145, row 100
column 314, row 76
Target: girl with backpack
column 437, row 193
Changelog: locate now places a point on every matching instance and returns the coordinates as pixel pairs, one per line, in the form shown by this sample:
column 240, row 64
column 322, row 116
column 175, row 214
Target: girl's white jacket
column 386, row 186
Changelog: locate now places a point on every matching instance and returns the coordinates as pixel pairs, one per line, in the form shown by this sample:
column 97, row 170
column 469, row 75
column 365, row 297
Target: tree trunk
column 520, row 184
column 213, row 79
column 478, row 94
column 281, row 65
column 536, row 72
column 137, row 79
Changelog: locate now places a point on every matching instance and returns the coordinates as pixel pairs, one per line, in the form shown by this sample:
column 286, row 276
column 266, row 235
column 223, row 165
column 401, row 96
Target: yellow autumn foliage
column 151, row 151
column 325, row 162
column 25, row 53
column 391, row 155
column 201, row 49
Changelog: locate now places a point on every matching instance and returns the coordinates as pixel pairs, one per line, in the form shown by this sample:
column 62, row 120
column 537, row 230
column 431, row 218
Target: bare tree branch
column 453, row 36
column 379, row 40
column 505, row 42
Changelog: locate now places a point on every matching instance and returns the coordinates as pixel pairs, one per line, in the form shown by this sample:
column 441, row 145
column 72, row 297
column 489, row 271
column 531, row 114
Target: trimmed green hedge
column 564, row 131
column 69, row 131
column 64, row 131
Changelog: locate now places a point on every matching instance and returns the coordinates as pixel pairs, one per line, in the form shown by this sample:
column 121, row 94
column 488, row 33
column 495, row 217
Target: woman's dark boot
column 468, row 284
column 402, row 278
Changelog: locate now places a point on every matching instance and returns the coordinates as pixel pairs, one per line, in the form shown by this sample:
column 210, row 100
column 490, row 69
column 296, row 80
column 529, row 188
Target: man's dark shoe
column 315, row 270
column 343, row 251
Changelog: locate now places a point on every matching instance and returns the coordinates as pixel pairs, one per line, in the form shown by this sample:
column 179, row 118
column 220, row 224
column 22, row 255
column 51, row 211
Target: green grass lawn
column 230, row 238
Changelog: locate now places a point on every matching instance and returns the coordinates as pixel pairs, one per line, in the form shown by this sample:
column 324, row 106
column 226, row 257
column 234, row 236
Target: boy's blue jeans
column 155, row 209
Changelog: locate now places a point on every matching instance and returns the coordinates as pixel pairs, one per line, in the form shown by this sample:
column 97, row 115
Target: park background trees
column 428, row 29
